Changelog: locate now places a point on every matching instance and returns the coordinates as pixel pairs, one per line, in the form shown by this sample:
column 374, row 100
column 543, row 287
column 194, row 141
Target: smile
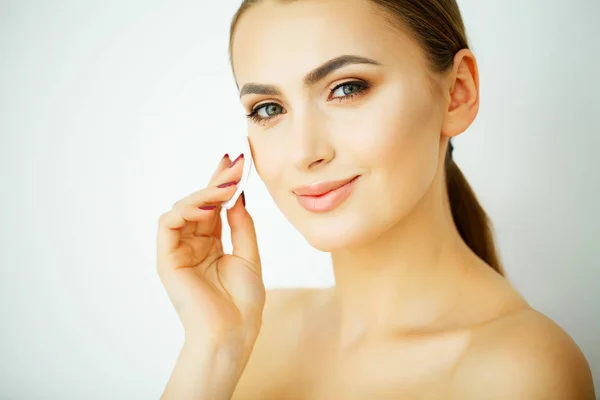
column 325, row 196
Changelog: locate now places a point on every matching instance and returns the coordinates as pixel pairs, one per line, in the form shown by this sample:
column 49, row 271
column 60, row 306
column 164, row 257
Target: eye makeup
column 362, row 88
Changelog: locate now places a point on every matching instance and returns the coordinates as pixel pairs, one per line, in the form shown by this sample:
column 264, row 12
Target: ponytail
column 470, row 218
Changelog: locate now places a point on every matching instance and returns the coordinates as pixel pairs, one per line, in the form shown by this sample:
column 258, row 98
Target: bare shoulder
column 524, row 355
column 269, row 365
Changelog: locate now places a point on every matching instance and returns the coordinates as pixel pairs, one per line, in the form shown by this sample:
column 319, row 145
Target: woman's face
column 380, row 122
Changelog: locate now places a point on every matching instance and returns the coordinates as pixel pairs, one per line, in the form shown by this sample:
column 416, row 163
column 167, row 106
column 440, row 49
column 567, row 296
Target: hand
column 219, row 297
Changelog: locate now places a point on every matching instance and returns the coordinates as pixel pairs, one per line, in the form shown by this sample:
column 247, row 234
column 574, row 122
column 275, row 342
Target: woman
column 351, row 105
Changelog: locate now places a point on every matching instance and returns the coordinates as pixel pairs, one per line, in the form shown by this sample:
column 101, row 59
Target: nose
column 310, row 144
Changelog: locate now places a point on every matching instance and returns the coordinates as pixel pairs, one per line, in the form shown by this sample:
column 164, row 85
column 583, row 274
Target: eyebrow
column 312, row 77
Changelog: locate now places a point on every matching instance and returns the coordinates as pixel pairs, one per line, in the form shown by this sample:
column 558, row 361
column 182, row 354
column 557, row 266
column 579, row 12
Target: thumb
column 243, row 234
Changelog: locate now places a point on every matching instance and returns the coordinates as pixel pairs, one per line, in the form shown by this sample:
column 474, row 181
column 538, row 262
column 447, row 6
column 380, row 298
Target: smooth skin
column 219, row 297
column 414, row 314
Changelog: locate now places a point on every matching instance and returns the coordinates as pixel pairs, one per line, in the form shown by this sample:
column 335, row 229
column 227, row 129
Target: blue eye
column 270, row 109
column 349, row 90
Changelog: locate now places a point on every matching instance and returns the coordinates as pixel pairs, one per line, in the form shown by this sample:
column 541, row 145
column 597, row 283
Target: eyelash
column 363, row 87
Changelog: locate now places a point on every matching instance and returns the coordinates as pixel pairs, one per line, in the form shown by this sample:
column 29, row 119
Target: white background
column 111, row 111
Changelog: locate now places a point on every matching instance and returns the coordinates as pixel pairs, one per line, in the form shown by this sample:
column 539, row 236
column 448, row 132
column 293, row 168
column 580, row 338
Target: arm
column 205, row 371
column 219, row 297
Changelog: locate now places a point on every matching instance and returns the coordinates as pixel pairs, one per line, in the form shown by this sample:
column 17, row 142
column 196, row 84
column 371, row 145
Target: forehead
column 274, row 42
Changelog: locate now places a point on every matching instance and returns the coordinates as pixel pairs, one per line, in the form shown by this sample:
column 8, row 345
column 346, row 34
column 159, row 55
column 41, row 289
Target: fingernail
column 243, row 198
column 224, row 185
column 226, row 156
column 207, row 207
column 236, row 160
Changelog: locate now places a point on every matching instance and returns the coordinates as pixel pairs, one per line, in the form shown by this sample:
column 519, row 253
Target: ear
column 462, row 94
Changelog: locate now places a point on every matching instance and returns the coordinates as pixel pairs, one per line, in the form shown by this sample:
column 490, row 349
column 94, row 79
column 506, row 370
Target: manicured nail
column 236, row 160
column 243, row 199
column 207, row 208
column 226, row 156
column 224, row 185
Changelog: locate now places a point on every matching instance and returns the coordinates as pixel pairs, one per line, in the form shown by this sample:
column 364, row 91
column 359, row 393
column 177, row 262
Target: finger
column 233, row 172
column 243, row 235
column 223, row 164
column 229, row 175
column 170, row 224
column 189, row 229
column 193, row 228
column 200, row 207
column 208, row 196
column 218, row 231
column 213, row 228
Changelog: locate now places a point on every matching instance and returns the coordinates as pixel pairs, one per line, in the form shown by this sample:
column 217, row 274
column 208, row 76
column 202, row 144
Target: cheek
column 269, row 162
column 397, row 131
column 397, row 140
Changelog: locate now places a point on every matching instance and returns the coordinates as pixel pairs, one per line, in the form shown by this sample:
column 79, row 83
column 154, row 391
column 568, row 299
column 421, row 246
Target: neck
column 404, row 280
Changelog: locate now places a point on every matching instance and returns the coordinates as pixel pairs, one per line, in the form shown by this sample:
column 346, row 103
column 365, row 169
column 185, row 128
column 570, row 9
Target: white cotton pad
column 245, row 174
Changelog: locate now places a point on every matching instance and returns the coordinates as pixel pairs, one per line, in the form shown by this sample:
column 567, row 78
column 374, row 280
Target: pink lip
column 321, row 188
column 324, row 196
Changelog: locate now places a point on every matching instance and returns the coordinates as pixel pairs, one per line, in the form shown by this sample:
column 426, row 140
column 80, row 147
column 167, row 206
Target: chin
column 352, row 225
column 342, row 231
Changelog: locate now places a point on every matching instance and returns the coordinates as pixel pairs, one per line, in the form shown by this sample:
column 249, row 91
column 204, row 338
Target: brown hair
column 438, row 28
